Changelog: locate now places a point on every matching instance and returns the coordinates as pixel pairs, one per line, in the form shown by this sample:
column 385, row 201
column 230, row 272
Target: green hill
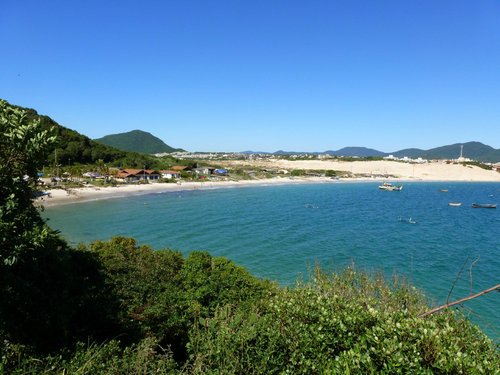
column 472, row 150
column 137, row 141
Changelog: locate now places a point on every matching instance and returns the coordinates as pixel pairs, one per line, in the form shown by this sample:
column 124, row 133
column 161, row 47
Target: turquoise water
column 282, row 232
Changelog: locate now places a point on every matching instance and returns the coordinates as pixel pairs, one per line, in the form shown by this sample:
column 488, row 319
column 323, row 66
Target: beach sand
column 372, row 171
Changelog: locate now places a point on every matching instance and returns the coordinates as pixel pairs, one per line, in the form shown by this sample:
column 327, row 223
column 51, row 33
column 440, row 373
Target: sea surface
column 282, row 232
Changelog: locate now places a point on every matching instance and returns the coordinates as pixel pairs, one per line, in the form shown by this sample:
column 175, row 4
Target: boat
column 443, row 190
column 477, row 205
column 390, row 187
column 409, row 220
column 455, row 204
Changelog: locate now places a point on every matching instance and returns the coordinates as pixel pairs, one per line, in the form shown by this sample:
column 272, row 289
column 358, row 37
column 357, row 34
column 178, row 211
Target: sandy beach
column 371, row 171
column 85, row 194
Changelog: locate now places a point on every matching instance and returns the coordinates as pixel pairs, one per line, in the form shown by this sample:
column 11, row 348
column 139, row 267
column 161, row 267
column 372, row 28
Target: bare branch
column 456, row 279
column 445, row 306
column 470, row 272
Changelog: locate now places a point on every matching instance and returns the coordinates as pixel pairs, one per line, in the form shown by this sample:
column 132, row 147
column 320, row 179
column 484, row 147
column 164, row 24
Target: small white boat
column 390, row 187
column 455, row 204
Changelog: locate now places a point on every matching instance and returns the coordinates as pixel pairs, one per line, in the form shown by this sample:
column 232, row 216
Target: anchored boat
column 390, row 187
column 477, row 205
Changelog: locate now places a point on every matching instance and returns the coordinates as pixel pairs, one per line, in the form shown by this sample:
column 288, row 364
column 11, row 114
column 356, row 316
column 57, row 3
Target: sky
column 261, row 75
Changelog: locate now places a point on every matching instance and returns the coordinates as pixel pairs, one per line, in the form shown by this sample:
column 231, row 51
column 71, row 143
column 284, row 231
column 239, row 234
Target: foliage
column 146, row 284
column 297, row 172
column 212, row 282
column 22, row 146
column 477, row 164
column 340, row 324
column 160, row 294
column 47, row 290
column 110, row 358
column 54, row 298
column 331, row 173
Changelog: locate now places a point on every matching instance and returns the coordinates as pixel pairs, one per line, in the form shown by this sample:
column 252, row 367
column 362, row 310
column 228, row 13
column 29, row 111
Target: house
column 132, row 175
column 170, row 174
column 496, row 167
column 204, row 171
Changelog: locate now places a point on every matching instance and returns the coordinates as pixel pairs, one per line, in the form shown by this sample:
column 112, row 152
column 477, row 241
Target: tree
column 49, row 292
column 23, row 148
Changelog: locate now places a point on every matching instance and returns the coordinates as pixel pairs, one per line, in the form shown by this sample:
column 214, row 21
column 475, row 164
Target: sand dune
column 438, row 171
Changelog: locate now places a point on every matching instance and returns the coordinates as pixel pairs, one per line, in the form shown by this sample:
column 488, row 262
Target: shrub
column 347, row 323
column 160, row 294
column 110, row 358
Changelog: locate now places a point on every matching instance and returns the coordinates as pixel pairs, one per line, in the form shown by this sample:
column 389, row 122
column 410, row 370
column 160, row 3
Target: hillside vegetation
column 117, row 307
column 137, row 141
column 71, row 147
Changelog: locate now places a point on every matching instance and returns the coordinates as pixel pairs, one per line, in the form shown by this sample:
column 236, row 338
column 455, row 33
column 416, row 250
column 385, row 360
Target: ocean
column 282, row 232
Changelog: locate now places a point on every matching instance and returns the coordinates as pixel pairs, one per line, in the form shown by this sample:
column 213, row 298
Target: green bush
column 297, row 172
column 340, row 324
column 212, row 282
column 160, row 294
column 147, row 289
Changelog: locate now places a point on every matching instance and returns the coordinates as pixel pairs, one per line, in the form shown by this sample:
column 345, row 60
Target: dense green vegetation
column 137, row 141
column 117, row 307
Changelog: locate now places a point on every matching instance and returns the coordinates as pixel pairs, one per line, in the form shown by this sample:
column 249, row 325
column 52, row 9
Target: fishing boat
column 390, row 187
column 477, row 205
column 455, row 204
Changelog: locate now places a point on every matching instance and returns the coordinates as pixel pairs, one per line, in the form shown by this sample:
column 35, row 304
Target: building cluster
column 137, row 175
column 406, row 159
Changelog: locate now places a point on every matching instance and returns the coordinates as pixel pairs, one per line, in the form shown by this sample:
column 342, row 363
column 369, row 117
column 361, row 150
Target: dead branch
column 456, row 278
column 445, row 306
column 470, row 272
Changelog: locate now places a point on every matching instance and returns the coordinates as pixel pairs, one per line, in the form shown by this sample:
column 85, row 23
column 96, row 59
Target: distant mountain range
column 472, row 150
column 137, row 141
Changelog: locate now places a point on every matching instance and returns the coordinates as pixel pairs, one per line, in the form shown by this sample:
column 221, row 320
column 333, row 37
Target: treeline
column 117, row 307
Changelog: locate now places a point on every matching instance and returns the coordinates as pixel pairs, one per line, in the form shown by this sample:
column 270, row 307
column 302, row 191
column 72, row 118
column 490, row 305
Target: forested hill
column 137, row 141
column 472, row 150
column 73, row 148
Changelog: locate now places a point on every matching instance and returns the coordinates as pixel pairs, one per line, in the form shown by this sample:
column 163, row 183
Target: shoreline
column 58, row 197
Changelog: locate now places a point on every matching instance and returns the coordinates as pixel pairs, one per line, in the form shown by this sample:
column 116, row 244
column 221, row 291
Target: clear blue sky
column 259, row 75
